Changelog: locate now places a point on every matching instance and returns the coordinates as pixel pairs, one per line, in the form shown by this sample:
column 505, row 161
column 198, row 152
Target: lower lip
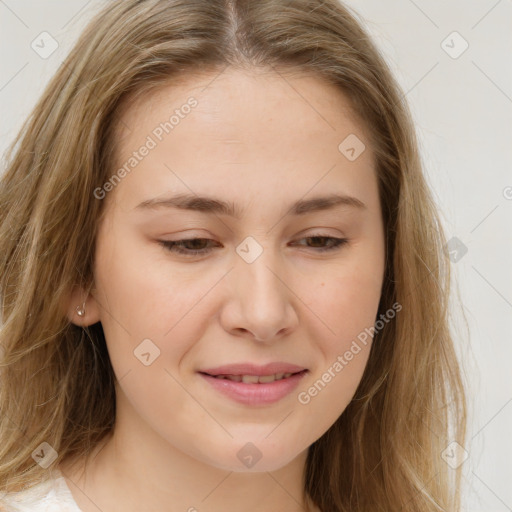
column 255, row 394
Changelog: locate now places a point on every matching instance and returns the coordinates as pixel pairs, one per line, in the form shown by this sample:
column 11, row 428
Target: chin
column 252, row 457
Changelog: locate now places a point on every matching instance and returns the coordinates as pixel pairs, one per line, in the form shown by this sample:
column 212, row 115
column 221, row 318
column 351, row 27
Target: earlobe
column 82, row 308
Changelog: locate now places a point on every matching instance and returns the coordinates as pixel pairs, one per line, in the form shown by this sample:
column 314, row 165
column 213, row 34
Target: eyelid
column 173, row 245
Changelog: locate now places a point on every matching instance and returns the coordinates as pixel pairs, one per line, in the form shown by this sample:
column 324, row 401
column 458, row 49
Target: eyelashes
column 180, row 246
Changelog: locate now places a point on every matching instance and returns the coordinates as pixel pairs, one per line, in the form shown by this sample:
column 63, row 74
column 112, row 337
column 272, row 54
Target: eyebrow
column 217, row 206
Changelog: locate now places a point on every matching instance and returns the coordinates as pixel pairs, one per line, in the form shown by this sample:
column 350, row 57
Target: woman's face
column 243, row 162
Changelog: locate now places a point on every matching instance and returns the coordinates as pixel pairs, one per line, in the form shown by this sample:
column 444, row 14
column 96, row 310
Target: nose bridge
column 257, row 267
column 260, row 287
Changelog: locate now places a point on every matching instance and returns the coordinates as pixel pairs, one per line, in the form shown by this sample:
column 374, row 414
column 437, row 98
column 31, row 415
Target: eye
column 199, row 246
column 334, row 243
column 181, row 246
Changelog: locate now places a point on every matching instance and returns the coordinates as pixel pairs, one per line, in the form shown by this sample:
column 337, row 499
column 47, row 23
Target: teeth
column 267, row 378
column 255, row 379
column 236, row 378
column 250, row 379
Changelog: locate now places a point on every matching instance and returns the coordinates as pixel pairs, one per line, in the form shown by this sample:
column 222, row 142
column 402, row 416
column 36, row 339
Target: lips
column 254, row 385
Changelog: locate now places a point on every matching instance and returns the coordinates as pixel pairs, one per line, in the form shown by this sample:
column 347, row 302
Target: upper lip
column 252, row 369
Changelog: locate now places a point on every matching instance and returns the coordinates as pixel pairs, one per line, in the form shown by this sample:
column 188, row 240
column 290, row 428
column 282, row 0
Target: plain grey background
column 459, row 87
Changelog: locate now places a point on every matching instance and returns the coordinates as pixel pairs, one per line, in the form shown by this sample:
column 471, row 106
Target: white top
column 50, row 496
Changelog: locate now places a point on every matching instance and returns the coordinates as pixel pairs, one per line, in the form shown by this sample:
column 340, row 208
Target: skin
column 263, row 141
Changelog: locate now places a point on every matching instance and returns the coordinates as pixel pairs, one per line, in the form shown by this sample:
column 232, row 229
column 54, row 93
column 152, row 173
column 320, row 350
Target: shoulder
column 50, row 496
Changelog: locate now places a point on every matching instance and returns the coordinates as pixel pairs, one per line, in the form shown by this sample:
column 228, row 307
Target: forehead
column 260, row 131
column 277, row 94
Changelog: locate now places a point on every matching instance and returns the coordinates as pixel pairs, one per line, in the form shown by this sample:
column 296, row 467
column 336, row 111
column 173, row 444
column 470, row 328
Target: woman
column 222, row 274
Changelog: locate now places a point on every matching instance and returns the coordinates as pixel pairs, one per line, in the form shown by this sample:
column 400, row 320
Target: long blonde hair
column 56, row 381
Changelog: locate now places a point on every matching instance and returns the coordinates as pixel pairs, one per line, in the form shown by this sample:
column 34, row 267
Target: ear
column 80, row 300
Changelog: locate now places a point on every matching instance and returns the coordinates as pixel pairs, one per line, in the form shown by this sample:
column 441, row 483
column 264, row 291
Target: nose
column 261, row 304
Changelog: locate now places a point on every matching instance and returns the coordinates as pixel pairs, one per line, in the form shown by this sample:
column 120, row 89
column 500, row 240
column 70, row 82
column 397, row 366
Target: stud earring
column 80, row 311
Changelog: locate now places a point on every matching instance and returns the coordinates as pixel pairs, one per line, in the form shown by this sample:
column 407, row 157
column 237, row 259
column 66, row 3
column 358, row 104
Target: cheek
column 325, row 396
column 350, row 308
column 346, row 301
column 142, row 298
column 347, row 305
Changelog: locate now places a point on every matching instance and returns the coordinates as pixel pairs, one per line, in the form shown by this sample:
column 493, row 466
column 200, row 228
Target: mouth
column 255, row 379
column 255, row 385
